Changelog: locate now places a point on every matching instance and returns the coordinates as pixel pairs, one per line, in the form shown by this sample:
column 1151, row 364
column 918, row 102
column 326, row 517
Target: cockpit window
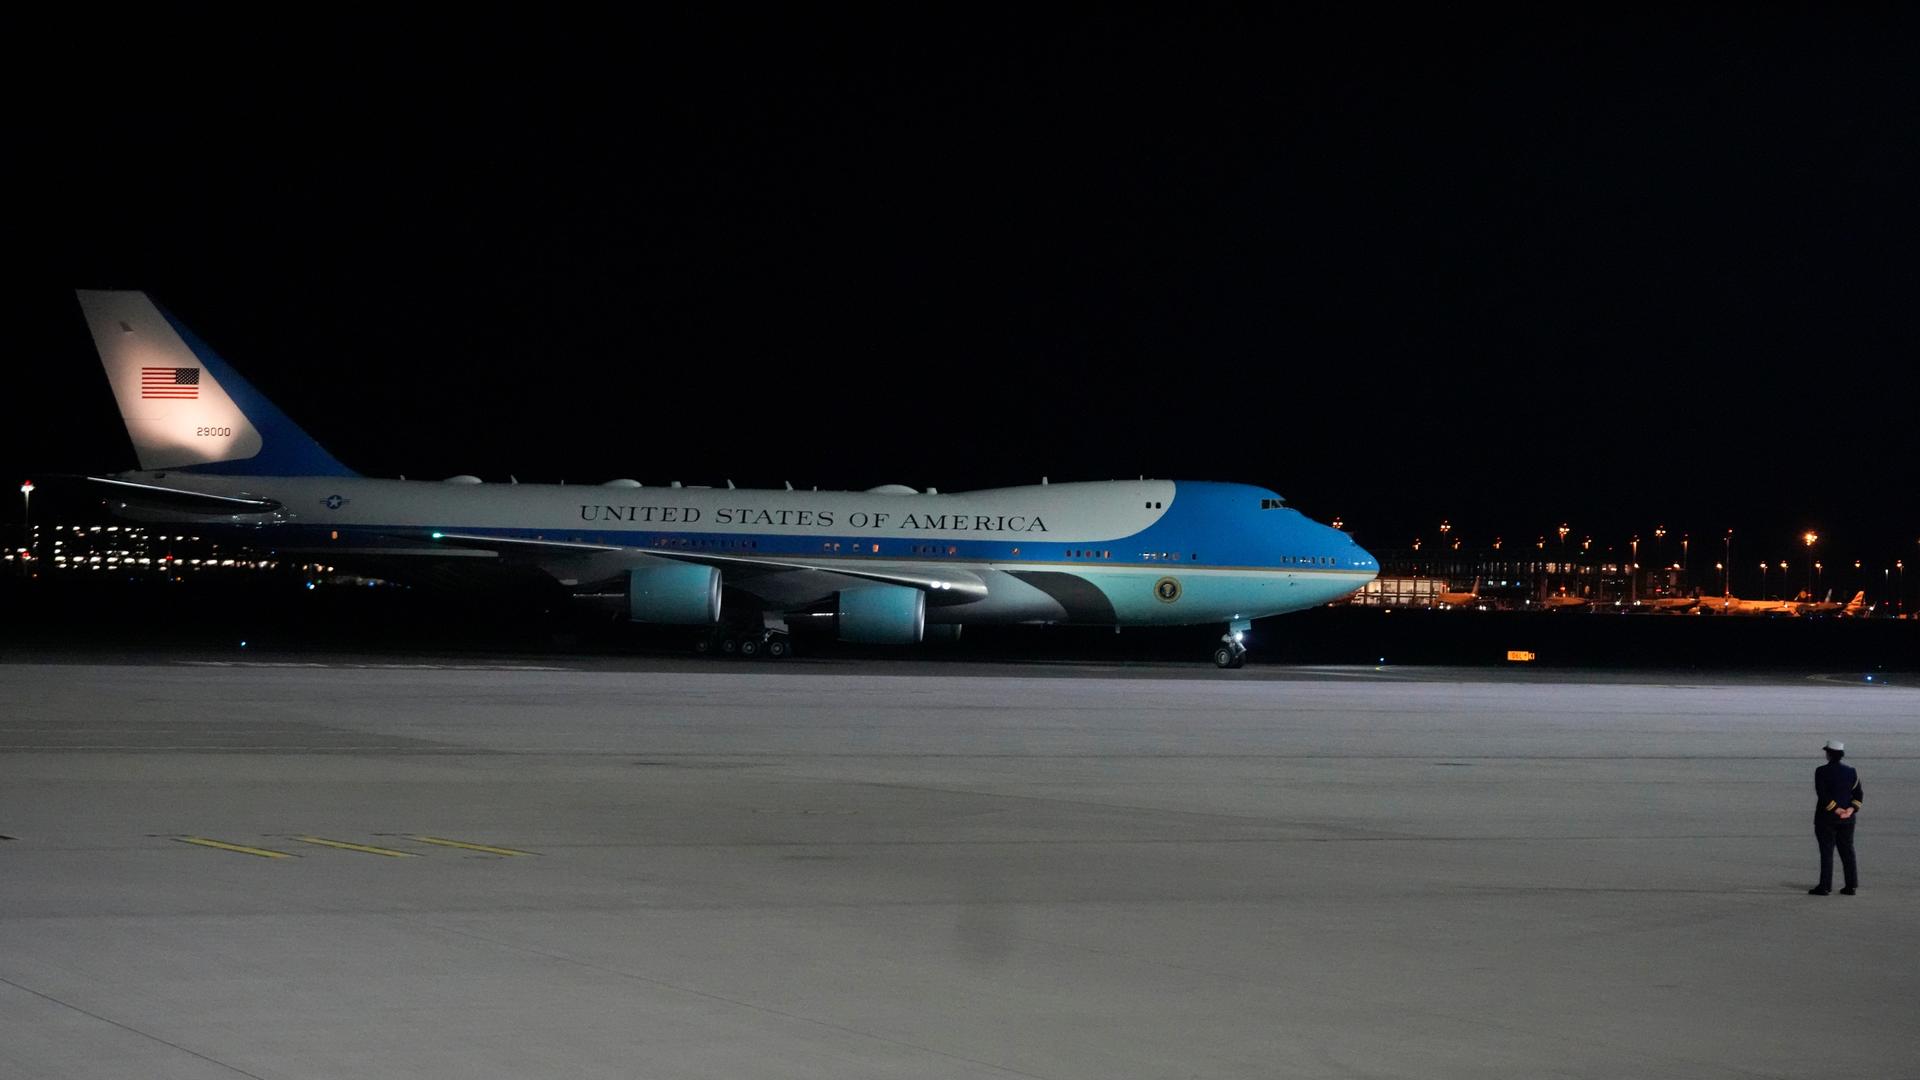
column 1272, row 504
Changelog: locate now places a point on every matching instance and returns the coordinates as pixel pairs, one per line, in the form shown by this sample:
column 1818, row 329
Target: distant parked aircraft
column 1470, row 598
column 1668, row 604
column 1733, row 605
column 1564, row 602
column 1853, row 608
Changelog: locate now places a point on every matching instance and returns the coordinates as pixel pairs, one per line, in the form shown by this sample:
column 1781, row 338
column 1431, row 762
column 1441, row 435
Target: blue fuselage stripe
column 940, row 550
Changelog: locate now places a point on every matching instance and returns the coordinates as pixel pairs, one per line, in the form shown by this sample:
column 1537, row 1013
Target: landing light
column 438, row 536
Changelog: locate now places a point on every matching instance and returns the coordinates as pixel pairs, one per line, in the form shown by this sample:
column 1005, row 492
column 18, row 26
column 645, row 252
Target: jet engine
column 881, row 614
column 675, row 594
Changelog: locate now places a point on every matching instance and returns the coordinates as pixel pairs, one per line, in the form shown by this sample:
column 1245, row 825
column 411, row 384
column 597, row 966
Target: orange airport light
column 1520, row 656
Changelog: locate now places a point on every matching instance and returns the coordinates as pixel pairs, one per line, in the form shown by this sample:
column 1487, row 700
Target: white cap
column 1835, row 744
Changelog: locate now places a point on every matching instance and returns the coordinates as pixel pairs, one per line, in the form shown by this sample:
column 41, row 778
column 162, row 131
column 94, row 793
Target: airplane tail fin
column 1857, row 605
column 183, row 406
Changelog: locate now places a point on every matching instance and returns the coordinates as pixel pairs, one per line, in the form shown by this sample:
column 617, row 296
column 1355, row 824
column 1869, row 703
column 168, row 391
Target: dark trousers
column 1834, row 833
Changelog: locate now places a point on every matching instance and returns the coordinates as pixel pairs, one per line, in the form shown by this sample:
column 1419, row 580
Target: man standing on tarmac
column 1838, row 796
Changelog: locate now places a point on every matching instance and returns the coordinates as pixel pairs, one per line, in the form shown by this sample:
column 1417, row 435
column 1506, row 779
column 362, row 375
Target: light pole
column 1764, row 594
column 1726, row 589
column 1633, row 572
column 1563, row 555
column 1810, row 537
column 1900, row 602
column 26, row 518
column 1783, row 578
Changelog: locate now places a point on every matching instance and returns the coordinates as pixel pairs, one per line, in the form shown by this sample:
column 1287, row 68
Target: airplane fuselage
column 1120, row 552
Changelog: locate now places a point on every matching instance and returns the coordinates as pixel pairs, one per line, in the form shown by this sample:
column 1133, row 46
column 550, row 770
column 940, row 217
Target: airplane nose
column 1364, row 560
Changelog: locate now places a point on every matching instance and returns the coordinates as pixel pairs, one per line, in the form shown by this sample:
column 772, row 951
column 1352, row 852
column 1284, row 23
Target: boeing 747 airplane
column 885, row 566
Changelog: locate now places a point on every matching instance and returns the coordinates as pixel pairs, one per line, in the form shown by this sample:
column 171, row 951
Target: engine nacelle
column 676, row 594
column 882, row 615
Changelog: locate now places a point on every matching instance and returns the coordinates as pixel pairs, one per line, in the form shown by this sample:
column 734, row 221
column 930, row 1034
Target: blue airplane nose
column 1363, row 559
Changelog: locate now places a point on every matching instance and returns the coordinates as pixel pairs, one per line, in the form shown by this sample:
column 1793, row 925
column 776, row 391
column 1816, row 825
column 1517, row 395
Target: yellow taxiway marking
column 470, row 847
column 367, row 848
column 265, row 853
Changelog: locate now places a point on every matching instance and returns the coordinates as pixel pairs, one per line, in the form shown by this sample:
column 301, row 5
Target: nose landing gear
column 1232, row 650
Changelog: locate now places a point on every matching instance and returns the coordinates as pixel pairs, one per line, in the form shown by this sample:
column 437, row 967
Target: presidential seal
column 1167, row 589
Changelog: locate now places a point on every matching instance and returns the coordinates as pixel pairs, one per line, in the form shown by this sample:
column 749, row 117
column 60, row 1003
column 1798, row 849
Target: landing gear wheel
column 779, row 648
column 729, row 646
column 702, row 645
column 749, row 648
column 1229, row 656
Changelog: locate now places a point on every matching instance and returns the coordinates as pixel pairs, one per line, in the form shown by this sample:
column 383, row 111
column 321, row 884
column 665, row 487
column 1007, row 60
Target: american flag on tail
column 170, row 382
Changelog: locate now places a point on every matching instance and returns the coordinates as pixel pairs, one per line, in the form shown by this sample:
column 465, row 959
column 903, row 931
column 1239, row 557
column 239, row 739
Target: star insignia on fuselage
column 335, row 502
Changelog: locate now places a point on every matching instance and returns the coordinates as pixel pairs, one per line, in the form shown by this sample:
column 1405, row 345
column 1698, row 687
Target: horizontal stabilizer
column 182, row 499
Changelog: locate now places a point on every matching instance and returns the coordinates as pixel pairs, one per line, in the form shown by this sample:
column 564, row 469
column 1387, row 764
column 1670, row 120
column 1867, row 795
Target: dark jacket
column 1836, row 785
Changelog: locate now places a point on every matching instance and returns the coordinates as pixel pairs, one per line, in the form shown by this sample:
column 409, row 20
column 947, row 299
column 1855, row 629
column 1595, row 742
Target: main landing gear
column 771, row 642
column 1232, row 650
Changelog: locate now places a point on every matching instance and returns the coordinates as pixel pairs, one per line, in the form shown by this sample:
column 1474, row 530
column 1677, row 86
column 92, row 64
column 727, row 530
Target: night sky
column 1617, row 272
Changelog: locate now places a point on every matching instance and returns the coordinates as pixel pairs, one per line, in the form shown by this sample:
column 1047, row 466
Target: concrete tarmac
column 853, row 869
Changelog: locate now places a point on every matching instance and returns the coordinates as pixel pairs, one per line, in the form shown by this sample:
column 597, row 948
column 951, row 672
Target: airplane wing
column 945, row 586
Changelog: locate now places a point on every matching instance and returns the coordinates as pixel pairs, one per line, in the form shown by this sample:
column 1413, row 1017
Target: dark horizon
column 1503, row 273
